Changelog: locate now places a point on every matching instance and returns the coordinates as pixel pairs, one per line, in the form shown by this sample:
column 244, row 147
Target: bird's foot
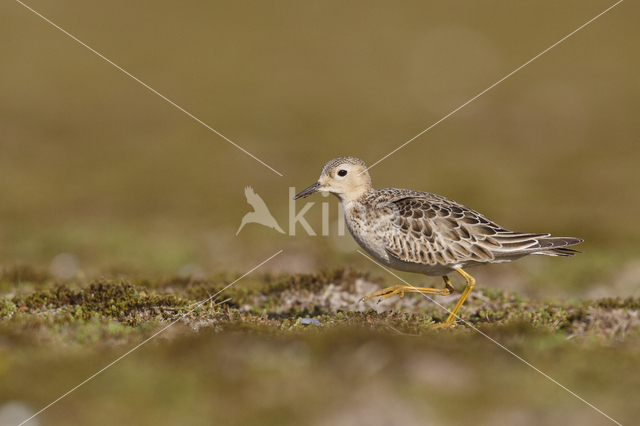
column 386, row 293
column 446, row 325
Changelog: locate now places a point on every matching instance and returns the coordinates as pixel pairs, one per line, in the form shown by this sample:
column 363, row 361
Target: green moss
column 117, row 300
column 617, row 303
column 109, row 311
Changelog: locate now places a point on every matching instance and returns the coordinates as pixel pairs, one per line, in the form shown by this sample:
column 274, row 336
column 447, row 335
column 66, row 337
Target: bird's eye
column 342, row 173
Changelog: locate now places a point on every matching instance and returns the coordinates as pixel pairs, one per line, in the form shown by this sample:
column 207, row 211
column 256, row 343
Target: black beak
column 310, row 190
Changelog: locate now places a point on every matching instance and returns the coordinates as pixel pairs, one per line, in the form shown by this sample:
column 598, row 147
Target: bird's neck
column 355, row 196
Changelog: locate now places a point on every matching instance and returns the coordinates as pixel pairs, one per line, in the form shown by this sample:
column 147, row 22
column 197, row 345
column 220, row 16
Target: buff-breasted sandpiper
column 426, row 233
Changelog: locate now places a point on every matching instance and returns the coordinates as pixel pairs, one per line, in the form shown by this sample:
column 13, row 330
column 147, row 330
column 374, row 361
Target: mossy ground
column 244, row 357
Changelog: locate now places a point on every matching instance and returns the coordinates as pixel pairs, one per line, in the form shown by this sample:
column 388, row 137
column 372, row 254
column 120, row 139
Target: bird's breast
column 367, row 229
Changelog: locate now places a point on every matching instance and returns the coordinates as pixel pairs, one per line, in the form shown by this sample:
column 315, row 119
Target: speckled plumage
column 421, row 232
column 439, row 234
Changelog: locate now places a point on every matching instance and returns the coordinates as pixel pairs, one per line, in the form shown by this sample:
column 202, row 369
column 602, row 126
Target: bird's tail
column 514, row 245
column 558, row 246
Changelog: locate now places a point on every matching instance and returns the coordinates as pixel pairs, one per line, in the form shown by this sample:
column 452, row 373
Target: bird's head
column 345, row 177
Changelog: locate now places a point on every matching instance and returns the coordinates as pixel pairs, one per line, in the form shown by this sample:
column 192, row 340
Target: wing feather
column 426, row 228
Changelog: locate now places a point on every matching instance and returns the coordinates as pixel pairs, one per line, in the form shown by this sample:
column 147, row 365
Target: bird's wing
column 254, row 199
column 433, row 230
column 248, row 192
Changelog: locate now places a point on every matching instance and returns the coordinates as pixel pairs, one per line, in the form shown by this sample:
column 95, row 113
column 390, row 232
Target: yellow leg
column 402, row 289
column 471, row 282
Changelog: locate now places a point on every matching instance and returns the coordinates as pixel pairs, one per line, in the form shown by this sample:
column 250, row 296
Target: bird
column 260, row 214
column 425, row 233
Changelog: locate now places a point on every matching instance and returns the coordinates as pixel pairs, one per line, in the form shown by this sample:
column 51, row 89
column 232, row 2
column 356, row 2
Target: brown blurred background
column 97, row 167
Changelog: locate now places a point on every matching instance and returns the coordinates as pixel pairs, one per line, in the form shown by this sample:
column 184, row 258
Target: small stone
column 307, row 321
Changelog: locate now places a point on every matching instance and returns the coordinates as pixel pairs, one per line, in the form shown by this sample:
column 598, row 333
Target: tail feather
column 559, row 246
column 560, row 251
column 551, row 246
